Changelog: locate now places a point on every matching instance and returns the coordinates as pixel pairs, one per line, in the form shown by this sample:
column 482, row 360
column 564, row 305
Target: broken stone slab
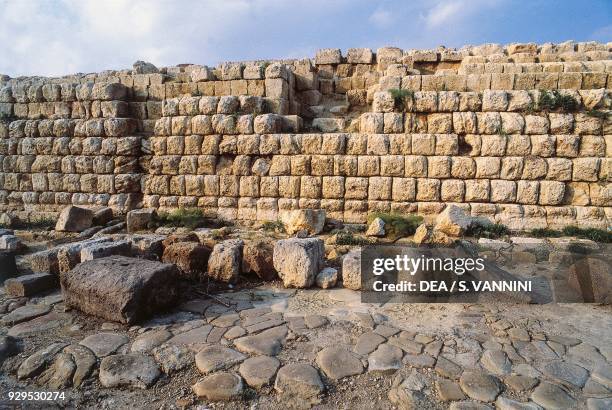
column 11, row 243
column 496, row 362
column 217, row 357
column 386, row 359
column 29, row 285
column 368, row 342
column 172, row 358
column 337, row 362
column 8, row 267
column 59, row 375
column 68, row 256
column 591, row 277
column 130, row 370
column 104, row 249
column 140, row 219
column 480, row 386
column 315, row 321
column 74, row 219
column 104, row 344
column 299, row 382
column 45, row 261
column 257, row 258
column 220, row 386
column 25, row 313
column 194, row 339
column 191, row 258
column 119, row 288
column 149, row 246
column 351, row 270
column 259, row 371
column 37, row 362
column 39, row 325
column 504, row 403
column 102, row 216
column 310, row 220
column 327, row 278
column 298, row 261
column 568, row 374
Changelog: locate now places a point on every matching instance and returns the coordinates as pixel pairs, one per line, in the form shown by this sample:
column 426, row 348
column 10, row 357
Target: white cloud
column 451, row 12
column 381, row 18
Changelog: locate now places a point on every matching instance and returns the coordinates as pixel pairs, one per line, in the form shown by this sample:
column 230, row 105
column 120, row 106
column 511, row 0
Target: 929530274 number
column 36, row 395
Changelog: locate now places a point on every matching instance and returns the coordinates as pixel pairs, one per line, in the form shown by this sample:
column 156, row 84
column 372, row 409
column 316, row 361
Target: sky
column 58, row 37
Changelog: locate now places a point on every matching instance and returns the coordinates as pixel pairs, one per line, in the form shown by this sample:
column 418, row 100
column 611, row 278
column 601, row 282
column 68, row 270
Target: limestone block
column 439, row 123
column 452, row 190
column 438, row 167
column 488, row 122
column 586, row 169
column 487, row 167
column 356, row 188
column 403, row 189
column 463, row 167
column 74, row 219
column 298, row 260
column 371, row 123
column 534, row 168
column 328, row 56
column 493, row 100
column 477, row 190
column 559, row 169
column 380, row 188
column 464, row 122
column 428, row 189
column 551, row 192
column 426, row 101
column 267, row 124
column 568, row 145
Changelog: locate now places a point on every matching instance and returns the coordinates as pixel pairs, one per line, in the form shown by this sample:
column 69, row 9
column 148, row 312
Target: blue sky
column 56, row 37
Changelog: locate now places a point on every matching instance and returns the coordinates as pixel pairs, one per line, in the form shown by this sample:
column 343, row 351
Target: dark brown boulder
column 190, row 257
column 120, row 288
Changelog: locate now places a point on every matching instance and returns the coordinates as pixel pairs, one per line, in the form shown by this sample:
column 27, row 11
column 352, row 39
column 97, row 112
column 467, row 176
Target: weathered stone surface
column 327, row 278
column 140, row 219
column 28, row 285
column 599, row 404
column 25, row 313
column 225, row 261
column 520, row 382
column 39, row 325
column 337, row 363
column 268, row 342
column 298, row 261
column 74, row 219
column 496, row 362
column 453, row 221
column 566, row 373
column 9, row 346
column 104, row 344
column 11, row 243
column 216, row 357
column 149, row 340
column 194, row 339
column 257, row 258
column 190, row 257
column 592, row 279
column 449, row 390
column 172, row 358
column 219, row 386
column 130, row 370
column 311, row 220
column 259, row 371
column 99, row 250
column 36, row 363
column 85, row 361
column 551, row 396
column 61, row 371
column 480, row 386
column 503, row 403
column 385, row 359
column 299, row 382
column 9, row 268
column 446, row 368
column 315, row 321
column 419, row 360
column 351, row 270
column 602, row 374
column 376, row 228
column 119, row 288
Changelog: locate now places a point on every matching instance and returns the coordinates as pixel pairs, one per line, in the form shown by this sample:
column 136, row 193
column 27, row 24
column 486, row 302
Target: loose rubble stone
column 149, row 340
column 119, row 288
column 215, row 358
column 130, row 370
column 11, row 243
column 104, row 344
column 447, row 368
column 351, row 270
column 259, row 371
column 551, row 396
column 311, row 220
column 25, row 313
column 376, row 228
column 327, row 278
column 36, row 363
column 449, row 391
column 520, row 383
column 74, row 219
column 337, row 363
column 29, row 285
column 225, row 261
column 299, row 382
column 298, row 261
column 190, row 257
column 453, row 221
column 139, row 219
column 385, row 359
column 61, row 372
column 421, row 360
column 219, row 386
column 257, row 258
column 172, row 358
column 480, row 386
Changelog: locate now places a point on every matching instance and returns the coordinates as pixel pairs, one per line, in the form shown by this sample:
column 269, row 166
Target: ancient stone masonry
column 521, row 134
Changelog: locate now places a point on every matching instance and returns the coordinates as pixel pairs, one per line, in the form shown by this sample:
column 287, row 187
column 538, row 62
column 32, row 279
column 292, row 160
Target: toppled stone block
column 143, row 67
column 225, row 261
column 591, row 277
column 327, row 278
column 257, row 258
column 74, row 219
column 119, row 288
column 68, row 256
column 351, row 270
column 45, row 261
column 427, row 234
column 376, row 228
column 140, row 219
column 102, row 250
column 8, row 268
column 190, row 257
column 453, row 221
column 11, row 243
column 148, row 246
column 102, row 216
column 298, row 261
column 311, row 220
column 28, row 285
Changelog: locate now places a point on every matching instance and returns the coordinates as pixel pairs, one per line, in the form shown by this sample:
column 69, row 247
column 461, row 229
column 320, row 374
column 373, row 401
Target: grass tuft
column 273, row 226
column 401, row 97
column 396, row 225
column 489, row 231
column 555, row 101
column 594, row 234
column 191, row 218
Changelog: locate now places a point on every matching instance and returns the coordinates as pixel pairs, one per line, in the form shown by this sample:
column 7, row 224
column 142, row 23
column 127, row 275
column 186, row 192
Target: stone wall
column 520, row 134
